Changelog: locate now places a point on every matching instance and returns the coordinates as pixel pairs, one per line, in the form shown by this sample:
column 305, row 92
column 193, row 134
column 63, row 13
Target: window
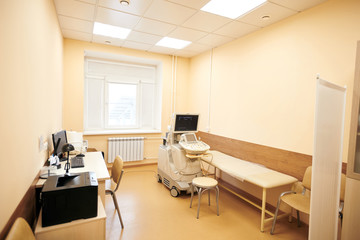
column 121, row 95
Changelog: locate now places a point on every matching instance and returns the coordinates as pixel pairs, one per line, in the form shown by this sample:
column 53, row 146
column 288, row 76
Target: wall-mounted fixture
column 124, row 2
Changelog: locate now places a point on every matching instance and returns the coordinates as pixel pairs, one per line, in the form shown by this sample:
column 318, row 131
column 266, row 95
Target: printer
column 69, row 197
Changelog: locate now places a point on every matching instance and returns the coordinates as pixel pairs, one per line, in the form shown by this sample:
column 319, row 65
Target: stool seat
column 205, row 182
column 202, row 184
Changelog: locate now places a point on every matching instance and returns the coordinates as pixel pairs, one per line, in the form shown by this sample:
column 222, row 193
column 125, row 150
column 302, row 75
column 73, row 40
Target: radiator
column 129, row 148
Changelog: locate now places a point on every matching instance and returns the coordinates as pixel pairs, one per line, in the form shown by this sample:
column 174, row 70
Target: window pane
column 122, row 105
column 94, row 103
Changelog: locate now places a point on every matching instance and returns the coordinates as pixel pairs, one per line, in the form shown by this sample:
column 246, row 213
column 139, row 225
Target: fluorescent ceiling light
column 172, row 43
column 231, row 8
column 110, row 31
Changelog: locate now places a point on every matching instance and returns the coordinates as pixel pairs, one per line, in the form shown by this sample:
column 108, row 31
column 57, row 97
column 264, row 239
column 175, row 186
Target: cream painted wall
column 74, row 90
column 263, row 85
column 31, row 47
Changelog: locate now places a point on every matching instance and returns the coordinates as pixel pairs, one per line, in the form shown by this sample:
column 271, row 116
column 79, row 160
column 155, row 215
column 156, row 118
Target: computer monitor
column 186, row 123
column 59, row 140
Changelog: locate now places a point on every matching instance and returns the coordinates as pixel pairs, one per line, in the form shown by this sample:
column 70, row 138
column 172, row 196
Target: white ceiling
column 150, row 20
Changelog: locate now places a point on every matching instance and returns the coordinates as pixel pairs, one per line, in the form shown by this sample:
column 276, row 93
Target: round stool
column 203, row 184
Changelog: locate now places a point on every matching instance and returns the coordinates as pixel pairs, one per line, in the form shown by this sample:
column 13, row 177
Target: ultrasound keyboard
column 77, row 162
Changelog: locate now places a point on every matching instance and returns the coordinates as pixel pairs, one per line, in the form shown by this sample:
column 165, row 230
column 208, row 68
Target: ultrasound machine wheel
column 159, row 178
column 174, row 192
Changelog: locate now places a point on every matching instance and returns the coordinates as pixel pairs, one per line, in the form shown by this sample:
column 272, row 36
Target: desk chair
column 342, row 196
column 301, row 202
column 203, row 184
column 20, row 230
column 116, row 175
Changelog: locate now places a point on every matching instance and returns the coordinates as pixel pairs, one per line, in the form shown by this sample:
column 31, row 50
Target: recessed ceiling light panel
column 231, row 8
column 110, row 31
column 172, row 43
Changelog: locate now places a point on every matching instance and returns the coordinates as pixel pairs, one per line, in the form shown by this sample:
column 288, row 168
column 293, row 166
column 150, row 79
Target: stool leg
column 217, row 199
column 209, row 196
column 192, row 194
column 199, row 194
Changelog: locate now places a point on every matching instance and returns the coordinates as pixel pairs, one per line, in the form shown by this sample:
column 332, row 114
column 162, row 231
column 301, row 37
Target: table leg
column 101, row 191
column 263, row 208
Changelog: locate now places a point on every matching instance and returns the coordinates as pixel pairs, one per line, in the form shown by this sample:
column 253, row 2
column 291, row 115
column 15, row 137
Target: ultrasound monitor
column 59, row 140
column 186, row 123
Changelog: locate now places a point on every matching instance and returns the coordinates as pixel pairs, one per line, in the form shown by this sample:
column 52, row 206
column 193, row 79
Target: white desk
column 94, row 162
column 252, row 173
column 90, row 228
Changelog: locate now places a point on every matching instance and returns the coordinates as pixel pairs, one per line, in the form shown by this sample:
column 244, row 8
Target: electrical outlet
column 43, row 144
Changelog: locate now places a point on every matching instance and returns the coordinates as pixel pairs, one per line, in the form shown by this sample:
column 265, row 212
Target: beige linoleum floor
column 149, row 212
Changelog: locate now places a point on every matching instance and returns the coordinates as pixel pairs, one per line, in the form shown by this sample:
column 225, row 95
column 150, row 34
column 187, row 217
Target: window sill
column 128, row 131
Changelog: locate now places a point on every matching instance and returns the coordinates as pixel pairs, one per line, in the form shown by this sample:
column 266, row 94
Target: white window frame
column 157, row 99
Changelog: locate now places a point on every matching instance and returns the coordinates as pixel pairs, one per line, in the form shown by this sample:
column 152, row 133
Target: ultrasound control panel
column 191, row 145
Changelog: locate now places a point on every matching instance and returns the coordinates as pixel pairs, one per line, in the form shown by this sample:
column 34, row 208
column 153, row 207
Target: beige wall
column 74, row 90
column 31, row 93
column 263, row 85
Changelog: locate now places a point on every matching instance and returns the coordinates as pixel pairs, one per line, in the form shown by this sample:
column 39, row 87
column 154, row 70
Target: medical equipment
column 176, row 169
column 191, row 145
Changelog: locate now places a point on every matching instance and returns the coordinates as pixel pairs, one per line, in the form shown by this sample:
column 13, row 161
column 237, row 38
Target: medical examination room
column 180, row 119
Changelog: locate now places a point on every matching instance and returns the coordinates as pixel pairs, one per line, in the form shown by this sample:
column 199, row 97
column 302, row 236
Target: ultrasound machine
column 179, row 156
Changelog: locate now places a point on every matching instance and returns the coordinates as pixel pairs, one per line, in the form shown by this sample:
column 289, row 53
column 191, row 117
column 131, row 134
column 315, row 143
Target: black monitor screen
column 186, row 123
column 59, row 139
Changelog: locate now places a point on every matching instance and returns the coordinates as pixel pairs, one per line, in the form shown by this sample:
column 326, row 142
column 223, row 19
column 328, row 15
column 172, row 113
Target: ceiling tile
column 137, row 7
column 76, row 35
column 143, row 37
column 206, row 21
column 168, row 12
column 76, row 24
column 104, row 39
column 154, row 27
column 116, row 18
column 72, row 8
column 185, row 53
column 198, row 4
column 87, row 1
column 214, row 40
column 163, row 50
column 298, row 5
column 236, row 29
column 136, row 45
column 275, row 12
column 196, row 47
column 187, row 34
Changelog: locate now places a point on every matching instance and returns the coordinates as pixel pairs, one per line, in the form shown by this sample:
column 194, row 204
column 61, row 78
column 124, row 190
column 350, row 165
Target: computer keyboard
column 77, row 162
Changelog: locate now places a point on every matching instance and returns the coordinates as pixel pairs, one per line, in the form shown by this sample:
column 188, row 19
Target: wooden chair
column 342, row 196
column 20, row 230
column 300, row 202
column 112, row 185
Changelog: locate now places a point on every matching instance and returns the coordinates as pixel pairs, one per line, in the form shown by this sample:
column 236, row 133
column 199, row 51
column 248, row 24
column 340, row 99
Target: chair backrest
column 117, row 170
column 342, row 188
column 307, row 178
column 20, row 230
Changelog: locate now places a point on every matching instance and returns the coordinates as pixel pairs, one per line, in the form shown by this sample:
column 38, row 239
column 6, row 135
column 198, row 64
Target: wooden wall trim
column 287, row 162
column 291, row 163
column 25, row 209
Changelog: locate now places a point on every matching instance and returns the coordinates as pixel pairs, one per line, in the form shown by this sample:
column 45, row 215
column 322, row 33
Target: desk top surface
column 93, row 161
column 248, row 171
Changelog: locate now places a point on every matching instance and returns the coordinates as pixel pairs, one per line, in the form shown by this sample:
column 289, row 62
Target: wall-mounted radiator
column 129, row 148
